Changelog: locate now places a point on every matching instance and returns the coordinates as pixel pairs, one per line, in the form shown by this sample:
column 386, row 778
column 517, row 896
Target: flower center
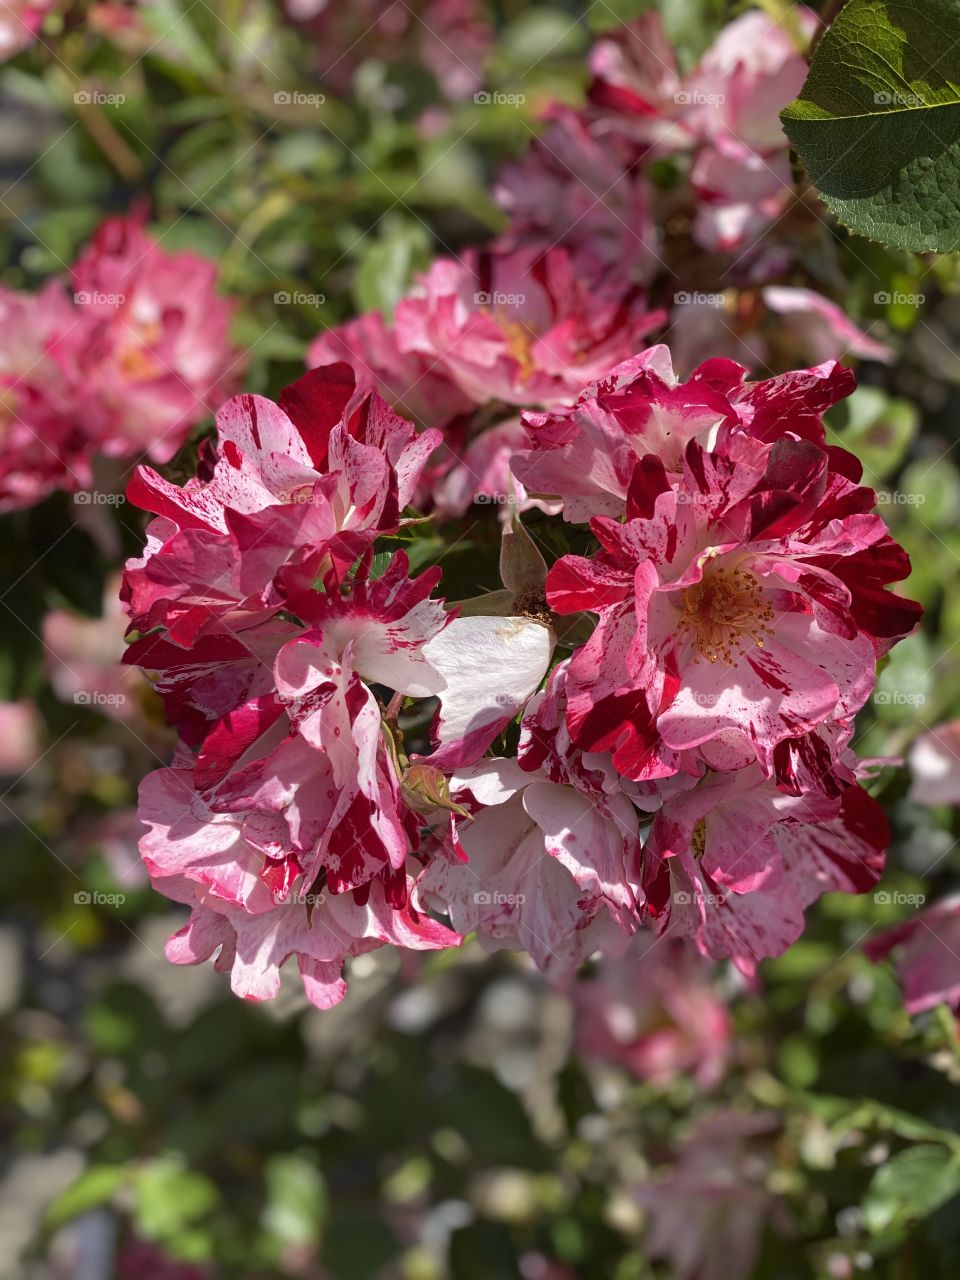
column 520, row 345
column 724, row 614
column 137, row 364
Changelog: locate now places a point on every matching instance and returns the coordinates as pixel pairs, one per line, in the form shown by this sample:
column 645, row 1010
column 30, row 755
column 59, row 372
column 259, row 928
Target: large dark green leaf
column 877, row 123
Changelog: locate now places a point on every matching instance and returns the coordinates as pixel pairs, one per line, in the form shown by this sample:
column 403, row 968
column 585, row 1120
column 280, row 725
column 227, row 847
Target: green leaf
column 877, row 123
column 911, row 1185
column 296, row 1203
column 94, row 1187
column 387, row 263
column 877, row 429
column 171, row 1197
column 691, row 26
column 906, row 682
column 615, row 13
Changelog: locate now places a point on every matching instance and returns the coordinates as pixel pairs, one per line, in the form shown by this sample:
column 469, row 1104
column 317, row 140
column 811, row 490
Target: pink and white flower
column 288, row 732
column 741, row 605
column 540, row 868
column 203, row 859
column 326, row 470
column 732, row 862
column 740, row 597
column 587, row 453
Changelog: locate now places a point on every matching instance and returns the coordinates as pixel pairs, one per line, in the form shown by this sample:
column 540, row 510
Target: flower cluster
column 284, row 647
column 125, row 363
column 684, row 769
column 583, row 274
column 648, row 730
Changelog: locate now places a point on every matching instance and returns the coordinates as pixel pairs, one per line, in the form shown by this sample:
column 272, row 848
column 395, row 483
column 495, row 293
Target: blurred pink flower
column 450, row 38
column 43, row 446
column 636, row 86
column 20, row 21
column 927, row 955
column 935, row 765
column 84, row 657
column 780, row 326
column 416, row 386
column 481, row 475
column 153, row 349
column 654, row 1011
column 732, row 101
column 20, row 732
column 585, row 194
column 707, row 1214
column 519, row 327
column 139, row 357
column 819, row 328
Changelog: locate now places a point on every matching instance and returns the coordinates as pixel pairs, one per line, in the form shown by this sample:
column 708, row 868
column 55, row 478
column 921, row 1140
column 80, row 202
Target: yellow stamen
column 724, row 614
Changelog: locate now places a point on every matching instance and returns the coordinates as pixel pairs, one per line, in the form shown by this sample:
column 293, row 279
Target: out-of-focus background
column 455, row 1117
